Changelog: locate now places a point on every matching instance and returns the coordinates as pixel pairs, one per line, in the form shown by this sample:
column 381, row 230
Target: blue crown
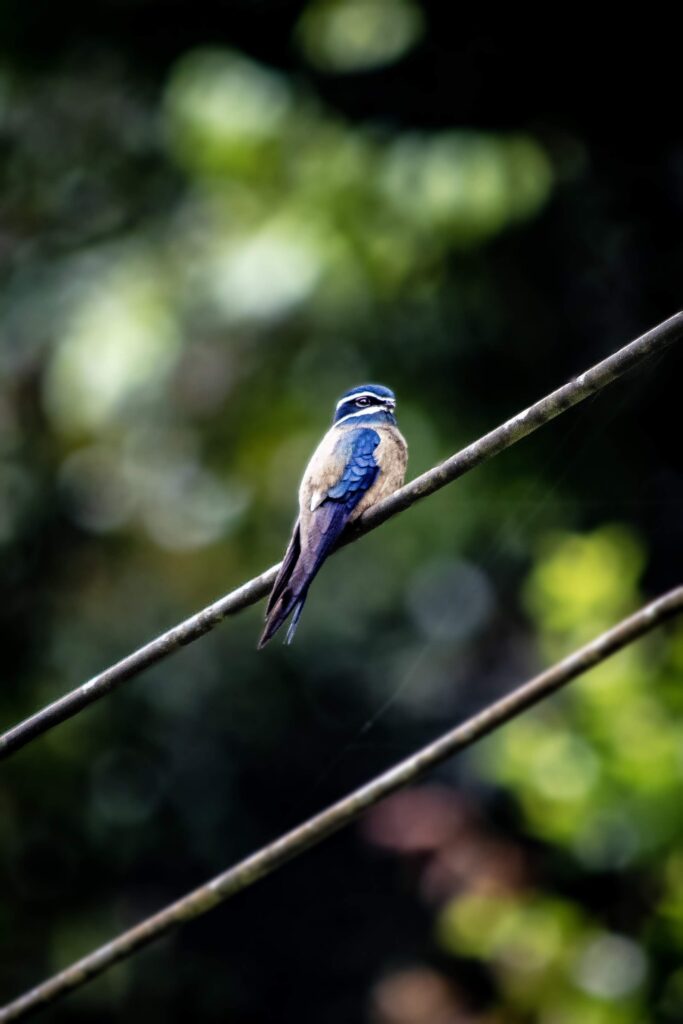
column 376, row 389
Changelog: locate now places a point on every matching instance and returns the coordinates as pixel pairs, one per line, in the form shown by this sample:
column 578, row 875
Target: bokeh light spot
column 358, row 35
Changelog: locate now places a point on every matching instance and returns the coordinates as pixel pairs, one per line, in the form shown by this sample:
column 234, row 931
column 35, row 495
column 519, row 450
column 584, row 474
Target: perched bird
column 361, row 459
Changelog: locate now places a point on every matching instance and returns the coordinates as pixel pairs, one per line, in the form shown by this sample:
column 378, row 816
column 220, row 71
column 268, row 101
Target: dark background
column 472, row 222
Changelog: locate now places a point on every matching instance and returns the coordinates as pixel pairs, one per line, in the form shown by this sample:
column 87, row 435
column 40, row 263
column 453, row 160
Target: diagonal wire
column 497, row 440
column 311, row 832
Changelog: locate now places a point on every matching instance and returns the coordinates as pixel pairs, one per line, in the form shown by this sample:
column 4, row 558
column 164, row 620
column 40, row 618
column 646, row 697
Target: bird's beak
column 389, row 404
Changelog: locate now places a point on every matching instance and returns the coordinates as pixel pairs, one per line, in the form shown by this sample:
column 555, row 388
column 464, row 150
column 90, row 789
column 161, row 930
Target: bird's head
column 368, row 402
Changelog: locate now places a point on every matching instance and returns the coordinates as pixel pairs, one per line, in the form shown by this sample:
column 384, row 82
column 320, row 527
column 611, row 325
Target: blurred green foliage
column 598, row 774
column 210, row 226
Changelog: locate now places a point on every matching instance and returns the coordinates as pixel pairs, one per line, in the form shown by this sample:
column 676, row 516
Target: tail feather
column 302, row 560
column 291, row 597
column 295, row 620
column 292, row 555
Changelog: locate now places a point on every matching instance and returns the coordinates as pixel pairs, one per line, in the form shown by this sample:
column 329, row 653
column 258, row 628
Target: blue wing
column 305, row 554
column 360, row 468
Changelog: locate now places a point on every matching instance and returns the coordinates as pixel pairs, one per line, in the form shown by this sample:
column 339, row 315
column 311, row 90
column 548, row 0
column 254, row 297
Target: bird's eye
column 362, row 401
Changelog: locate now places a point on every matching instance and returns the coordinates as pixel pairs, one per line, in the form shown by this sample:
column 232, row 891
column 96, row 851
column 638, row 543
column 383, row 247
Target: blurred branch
column 313, row 831
column 525, row 422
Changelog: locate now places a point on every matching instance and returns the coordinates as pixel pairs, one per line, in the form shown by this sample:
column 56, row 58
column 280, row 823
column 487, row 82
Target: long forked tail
column 291, row 599
column 299, row 567
column 289, row 591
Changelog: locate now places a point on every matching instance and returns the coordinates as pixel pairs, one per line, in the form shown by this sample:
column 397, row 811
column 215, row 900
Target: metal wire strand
column 274, row 855
column 507, row 434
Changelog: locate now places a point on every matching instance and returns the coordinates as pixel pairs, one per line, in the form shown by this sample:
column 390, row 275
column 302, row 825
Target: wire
column 269, row 858
column 497, row 440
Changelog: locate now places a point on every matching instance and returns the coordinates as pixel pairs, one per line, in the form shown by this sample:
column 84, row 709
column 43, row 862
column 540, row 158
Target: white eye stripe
column 373, row 410
column 363, row 394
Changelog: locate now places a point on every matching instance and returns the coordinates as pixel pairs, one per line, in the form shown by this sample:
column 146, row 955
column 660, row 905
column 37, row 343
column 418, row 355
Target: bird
column 360, row 460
